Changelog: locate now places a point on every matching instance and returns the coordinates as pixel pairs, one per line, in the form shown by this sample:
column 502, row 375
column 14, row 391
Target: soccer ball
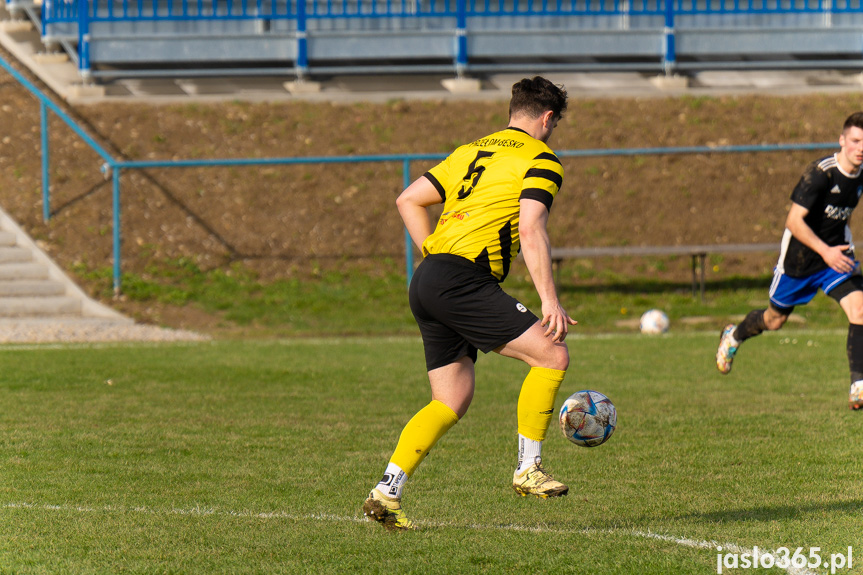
column 654, row 321
column 588, row 418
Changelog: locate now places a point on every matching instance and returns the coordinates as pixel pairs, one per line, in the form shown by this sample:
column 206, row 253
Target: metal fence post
column 669, row 57
column 115, row 172
column 302, row 41
column 84, row 38
column 461, row 38
column 46, row 184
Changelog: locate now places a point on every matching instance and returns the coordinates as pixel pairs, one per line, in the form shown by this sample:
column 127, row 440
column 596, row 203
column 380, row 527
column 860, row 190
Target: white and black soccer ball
column 588, row 418
column 654, row 321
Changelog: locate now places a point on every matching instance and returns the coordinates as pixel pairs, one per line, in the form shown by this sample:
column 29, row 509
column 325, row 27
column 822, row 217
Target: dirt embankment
column 285, row 221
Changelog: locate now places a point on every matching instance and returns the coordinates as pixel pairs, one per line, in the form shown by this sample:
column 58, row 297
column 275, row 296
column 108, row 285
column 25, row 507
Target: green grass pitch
column 255, row 457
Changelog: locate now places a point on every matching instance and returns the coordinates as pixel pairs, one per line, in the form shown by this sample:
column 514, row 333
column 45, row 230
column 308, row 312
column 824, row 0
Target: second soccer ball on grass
column 654, row 321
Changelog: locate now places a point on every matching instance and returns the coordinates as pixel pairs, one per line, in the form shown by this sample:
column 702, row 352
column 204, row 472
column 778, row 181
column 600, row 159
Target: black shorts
column 460, row 308
column 852, row 284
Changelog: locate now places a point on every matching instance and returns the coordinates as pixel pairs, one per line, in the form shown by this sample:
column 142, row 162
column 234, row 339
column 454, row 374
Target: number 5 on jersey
column 474, row 172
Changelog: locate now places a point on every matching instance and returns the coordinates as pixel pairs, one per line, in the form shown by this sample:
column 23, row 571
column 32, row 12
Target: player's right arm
column 833, row 256
column 413, row 205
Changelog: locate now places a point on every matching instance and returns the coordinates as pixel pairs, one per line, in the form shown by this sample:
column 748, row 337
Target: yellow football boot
column 536, row 481
column 387, row 511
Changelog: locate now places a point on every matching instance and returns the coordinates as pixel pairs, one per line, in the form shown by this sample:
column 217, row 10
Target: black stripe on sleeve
column 549, row 175
column 538, row 194
column 547, row 156
column 436, row 184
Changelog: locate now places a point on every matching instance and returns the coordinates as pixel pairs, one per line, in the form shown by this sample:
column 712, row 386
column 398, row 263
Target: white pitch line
column 206, row 511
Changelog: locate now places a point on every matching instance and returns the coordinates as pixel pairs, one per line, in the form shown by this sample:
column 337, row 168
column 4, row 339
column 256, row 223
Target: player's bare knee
column 559, row 357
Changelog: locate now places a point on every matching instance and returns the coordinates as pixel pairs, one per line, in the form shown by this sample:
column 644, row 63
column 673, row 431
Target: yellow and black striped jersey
column 481, row 184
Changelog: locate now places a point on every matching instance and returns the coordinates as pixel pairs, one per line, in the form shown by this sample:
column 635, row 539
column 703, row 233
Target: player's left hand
column 836, row 258
column 556, row 321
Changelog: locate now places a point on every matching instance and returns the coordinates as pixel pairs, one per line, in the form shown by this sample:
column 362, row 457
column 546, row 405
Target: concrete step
column 34, row 288
column 39, row 306
column 31, row 288
column 14, row 254
column 23, row 271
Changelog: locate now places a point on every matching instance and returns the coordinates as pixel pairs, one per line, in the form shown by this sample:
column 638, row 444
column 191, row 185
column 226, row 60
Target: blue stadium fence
column 113, row 167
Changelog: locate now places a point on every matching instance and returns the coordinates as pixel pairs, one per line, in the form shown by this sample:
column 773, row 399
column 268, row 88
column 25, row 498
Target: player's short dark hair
column 855, row 120
column 534, row 96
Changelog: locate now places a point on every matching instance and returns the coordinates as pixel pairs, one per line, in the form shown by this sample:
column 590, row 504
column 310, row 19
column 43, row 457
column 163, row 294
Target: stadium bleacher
column 314, row 38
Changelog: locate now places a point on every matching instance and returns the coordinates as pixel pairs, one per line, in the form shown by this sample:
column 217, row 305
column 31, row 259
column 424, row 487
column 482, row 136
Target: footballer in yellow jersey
column 497, row 192
column 481, row 184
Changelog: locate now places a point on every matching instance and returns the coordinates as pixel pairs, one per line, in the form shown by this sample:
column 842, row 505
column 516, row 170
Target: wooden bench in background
column 698, row 253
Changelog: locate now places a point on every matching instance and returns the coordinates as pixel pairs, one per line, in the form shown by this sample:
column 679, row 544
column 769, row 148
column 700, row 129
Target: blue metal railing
column 57, row 11
column 114, row 167
column 686, row 7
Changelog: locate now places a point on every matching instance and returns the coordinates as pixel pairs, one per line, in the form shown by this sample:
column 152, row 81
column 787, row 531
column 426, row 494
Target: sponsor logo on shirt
column 453, row 215
column 836, row 213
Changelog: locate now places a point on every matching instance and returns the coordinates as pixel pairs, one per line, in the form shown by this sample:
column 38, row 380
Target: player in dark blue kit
column 816, row 253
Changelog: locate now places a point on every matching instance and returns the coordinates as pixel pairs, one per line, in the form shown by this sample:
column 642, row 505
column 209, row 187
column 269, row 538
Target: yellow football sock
column 421, row 433
column 536, row 401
